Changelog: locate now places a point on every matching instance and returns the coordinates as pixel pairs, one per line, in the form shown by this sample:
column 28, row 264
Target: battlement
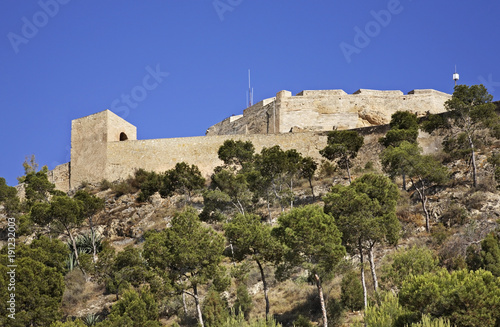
column 323, row 110
column 105, row 146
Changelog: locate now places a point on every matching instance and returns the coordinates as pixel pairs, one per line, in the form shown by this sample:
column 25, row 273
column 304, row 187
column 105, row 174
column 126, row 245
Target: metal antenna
column 250, row 91
column 456, row 76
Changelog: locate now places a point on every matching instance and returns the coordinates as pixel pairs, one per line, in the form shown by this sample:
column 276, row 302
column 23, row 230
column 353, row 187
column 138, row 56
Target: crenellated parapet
column 322, row 110
column 105, row 146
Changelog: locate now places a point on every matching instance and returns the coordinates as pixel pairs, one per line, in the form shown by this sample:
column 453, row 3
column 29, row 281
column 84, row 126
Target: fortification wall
column 123, row 158
column 162, row 154
column 60, row 177
column 104, row 145
column 257, row 119
column 325, row 109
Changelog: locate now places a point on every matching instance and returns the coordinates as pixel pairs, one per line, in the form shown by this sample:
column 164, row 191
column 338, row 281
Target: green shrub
column 243, row 301
column 369, row 165
column 456, row 214
column 351, row 292
column 75, row 323
column 467, row 298
column 335, row 312
column 439, row 233
column 389, row 313
column 149, row 184
column 327, row 169
column 485, row 256
column 427, row 321
column 133, row 309
column 215, row 309
column 123, row 188
column 239, row 321
column 406, row 262
column 214, row 204
column 302, row 321
column 105, row 185
column 9, row 198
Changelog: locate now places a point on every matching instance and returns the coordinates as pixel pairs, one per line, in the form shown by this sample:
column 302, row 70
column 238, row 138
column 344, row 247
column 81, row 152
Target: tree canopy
column 487, row 255
column 312, row 241
column 467, row 298
column 188, row 252
column 470, row 110
column 251, row 238
column 134, row 309
column 365, row 212
column 38, row 287
column 343, row 146
column 236, row 152
column 404, row 127
column 423, row 170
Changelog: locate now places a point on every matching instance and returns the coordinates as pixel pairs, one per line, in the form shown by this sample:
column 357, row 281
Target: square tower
column 90, row 136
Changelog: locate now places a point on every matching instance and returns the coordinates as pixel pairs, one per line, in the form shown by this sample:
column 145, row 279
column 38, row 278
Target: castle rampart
column 162, row 154
column 323, row 110
column 105, row 146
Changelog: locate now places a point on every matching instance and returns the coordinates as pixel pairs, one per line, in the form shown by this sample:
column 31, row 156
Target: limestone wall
column 323, row 110
column 257, row 119
column 122, row 158
column 59, row 176
column 104, row 146
column 162, row 154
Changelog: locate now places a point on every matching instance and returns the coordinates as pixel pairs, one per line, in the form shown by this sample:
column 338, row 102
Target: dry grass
column 76, row 293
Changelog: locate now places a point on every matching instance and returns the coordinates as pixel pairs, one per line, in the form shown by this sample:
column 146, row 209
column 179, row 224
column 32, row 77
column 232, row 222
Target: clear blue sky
column 65, row 59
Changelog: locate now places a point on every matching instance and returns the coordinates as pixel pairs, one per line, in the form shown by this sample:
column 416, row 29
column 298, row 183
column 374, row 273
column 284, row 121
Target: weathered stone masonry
column 105, row 146
column 325, row 109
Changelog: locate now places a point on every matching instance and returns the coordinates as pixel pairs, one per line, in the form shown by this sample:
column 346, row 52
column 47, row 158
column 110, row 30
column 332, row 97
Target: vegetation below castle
column 273, row 238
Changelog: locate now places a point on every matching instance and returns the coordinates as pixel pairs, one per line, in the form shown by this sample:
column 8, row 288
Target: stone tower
column 90, row 136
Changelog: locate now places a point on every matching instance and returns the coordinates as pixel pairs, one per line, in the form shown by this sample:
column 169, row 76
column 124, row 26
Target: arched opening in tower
column 123, row 136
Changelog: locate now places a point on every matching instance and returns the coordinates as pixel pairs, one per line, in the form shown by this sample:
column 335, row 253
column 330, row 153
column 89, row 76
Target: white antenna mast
column 250, row 91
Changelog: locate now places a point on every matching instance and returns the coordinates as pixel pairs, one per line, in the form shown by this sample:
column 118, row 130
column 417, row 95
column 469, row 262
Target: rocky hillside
column 461, row 216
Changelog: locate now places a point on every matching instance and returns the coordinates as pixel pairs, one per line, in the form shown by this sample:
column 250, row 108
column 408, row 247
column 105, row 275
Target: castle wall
column 162, row 154
column 325, row 109
column 123, row 158
column 60, row 177
column 257, row 119
column 104, row 146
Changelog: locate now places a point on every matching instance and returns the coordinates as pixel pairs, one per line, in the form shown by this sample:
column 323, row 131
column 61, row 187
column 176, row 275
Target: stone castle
column 105, row 146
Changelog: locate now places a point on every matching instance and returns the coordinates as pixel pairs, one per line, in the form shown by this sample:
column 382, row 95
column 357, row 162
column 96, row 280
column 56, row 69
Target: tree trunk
column 269, row 207
column 198, row 306
column 232, row 254
column 423, row 201
column 372, row 267
column 321, row 299
column 363, row 282
column 427, row 215
column 404, row 181
column 312, row 188
column 474, row 167
column 184, row 305
column 264, row 283
column 348, row 170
